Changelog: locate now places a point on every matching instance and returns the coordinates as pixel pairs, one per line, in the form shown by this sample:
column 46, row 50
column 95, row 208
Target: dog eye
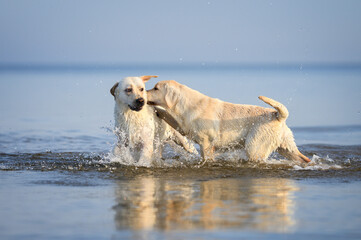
column 142, row 89
column 155, row 88
column 128, row 90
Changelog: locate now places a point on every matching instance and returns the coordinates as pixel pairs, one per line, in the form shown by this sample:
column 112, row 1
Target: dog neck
column 188, row 109
column 177, row 119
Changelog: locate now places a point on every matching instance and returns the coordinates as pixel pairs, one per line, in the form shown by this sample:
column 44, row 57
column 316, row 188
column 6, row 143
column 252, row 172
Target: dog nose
column 140, row 100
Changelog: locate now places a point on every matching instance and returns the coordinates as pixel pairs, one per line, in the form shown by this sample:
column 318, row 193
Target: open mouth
column 151, row 103
column 138, row 108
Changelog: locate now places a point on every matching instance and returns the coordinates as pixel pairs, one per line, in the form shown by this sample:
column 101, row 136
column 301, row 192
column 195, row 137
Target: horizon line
column 81, row 66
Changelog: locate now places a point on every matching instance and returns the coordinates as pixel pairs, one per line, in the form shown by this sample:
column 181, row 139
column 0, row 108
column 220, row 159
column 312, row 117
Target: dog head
column 131, row 91
column 164, row 94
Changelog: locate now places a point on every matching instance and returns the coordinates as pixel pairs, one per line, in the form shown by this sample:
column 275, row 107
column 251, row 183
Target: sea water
column 59, row 180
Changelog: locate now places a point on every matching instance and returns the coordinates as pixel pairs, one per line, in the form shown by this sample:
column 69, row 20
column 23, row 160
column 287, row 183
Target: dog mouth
column 136, row 108
column 151, row 103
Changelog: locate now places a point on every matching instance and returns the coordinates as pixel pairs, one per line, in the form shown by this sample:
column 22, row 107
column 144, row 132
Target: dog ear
column 146, row 78
column 170, row 97
column 112, row 90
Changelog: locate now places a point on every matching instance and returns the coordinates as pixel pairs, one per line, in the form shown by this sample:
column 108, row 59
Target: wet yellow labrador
column 215, row 124
column 137, row 126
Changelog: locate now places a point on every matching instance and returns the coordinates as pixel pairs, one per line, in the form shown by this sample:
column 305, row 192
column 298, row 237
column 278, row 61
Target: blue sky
column 119, row 32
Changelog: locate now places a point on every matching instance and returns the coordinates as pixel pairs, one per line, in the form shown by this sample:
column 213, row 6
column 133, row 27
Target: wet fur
column 215, row 124
column 139, row 130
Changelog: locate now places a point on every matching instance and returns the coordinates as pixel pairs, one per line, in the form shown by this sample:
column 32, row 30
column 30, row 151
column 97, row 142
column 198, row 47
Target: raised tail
column 281, row 109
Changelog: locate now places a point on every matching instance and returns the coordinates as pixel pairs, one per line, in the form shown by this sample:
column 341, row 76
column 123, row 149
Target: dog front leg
column 183, row 142
column 119, row 147
column 146, row 155
column 207, row 152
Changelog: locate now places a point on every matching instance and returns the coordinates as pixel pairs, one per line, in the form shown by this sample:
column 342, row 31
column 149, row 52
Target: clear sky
column 189, row 31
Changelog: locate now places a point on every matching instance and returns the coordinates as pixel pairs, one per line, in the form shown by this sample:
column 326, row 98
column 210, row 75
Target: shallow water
column 59, row 180
column 171, row 204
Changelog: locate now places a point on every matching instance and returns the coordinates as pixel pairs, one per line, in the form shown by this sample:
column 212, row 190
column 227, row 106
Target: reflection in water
column 146, row 203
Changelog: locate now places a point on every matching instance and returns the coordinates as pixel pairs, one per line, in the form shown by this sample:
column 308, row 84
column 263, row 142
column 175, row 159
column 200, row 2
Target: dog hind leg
column 288, row 148
column 259, row 145
column 294, row 154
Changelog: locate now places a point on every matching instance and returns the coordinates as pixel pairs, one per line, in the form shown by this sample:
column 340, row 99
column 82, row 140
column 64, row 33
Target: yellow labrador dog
column 215, row 124
column 138, row 128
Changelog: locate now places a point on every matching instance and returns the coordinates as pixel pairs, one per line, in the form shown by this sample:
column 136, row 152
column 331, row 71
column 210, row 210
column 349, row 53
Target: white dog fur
column 138, row 128
column 215, row 124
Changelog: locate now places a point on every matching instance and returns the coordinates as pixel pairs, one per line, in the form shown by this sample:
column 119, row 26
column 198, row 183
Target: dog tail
column 281, row 109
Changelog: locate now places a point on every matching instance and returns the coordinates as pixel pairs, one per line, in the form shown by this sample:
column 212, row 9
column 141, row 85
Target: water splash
column 173, row 156
column 234, row 159
column 164, row 152
column 337, row 160
column 319, row 163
